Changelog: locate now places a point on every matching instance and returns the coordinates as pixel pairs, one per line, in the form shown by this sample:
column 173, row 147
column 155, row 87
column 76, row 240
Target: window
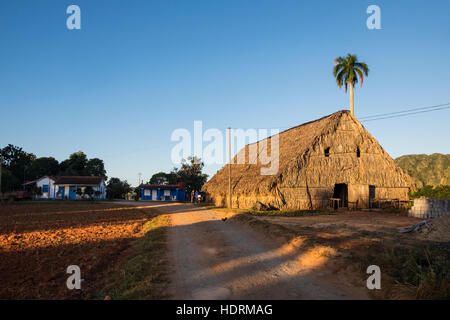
column 358, row 152
column 45, row 188
column 166, row 192
column 147, row 193
column 327, row 152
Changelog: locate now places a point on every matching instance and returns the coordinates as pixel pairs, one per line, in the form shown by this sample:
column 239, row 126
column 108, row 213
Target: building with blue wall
column 161, row 192
column 65, row 187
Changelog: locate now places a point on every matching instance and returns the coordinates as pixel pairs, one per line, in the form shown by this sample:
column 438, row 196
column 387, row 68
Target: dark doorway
column 371, row 195
column 341, row 192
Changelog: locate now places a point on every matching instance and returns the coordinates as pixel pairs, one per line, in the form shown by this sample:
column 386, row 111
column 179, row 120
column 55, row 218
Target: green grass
column 144, row 274
column 422, row 268
column 289, row 213
column 278, row 213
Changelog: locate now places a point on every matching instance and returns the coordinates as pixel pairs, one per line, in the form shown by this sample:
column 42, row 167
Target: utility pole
column 139, row 174
column 229, row 169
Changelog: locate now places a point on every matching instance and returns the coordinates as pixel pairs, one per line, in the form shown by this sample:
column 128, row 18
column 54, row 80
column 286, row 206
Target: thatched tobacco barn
column 332, row 157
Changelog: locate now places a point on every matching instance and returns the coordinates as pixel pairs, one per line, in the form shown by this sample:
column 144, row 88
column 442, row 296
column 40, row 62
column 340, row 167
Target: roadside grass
column 409, row 269
column 290, row 213
column 420, row 271
column 144, row 274
column 274, row 212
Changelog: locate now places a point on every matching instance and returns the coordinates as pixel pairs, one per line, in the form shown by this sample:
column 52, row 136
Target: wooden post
column 230, row 201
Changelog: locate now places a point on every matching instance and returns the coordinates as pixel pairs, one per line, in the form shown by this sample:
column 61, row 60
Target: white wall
column 46, row 181
column 53, row 189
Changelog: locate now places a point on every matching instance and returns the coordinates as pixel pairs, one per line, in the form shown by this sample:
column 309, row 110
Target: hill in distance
column 433, row 170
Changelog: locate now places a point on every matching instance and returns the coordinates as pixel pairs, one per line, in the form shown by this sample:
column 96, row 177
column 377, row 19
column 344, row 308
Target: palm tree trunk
column 351, row 98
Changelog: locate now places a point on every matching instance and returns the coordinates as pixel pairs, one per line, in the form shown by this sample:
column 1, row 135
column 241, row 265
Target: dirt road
column 215, row 259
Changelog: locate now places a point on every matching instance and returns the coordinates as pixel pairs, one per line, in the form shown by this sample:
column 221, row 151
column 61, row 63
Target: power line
column 405, row 114
column 385, row 115
column 404, row 111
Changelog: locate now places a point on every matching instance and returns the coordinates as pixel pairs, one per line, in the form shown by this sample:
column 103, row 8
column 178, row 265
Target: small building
column 65, row 187
column 46, row 184
column 163, row 192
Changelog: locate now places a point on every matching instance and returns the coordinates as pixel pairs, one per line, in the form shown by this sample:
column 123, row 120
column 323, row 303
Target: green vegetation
column 277, row 213
column 190, row 173
column 433, row 170
column 289, row 213
column 144, row 274
column 19, row 166
column 440, row 192
column 423, row 269
column 117, row 189
column 348, row 71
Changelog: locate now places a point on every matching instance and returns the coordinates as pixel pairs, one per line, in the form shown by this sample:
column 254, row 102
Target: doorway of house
column 341, row 192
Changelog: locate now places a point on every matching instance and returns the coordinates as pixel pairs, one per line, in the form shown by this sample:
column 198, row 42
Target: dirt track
column 215, row 259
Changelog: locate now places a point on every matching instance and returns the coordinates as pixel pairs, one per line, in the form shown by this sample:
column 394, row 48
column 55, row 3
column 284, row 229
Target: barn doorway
column 340, row 192
column 371, row 195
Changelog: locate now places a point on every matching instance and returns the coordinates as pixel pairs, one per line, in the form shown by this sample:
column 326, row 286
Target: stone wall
column 429, row 208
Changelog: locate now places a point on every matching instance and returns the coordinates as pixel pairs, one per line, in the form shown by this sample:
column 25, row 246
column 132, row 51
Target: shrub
column 439, row 192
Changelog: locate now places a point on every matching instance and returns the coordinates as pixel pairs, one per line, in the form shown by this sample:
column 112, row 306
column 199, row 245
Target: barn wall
column 391, row 193
column 303, row 198
column 359, row 193
column 296, row 200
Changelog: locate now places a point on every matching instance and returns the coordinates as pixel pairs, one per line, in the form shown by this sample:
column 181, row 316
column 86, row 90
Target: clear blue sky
column 137, row 70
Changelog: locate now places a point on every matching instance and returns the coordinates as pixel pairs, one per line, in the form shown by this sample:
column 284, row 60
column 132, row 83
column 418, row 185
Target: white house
column 65, row 187
column 46, row 184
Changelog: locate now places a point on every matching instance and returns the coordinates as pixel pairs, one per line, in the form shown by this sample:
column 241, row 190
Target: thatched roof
column 302, row 161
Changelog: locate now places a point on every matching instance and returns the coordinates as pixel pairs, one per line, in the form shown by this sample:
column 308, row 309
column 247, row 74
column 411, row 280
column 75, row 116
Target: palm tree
column 347, row 70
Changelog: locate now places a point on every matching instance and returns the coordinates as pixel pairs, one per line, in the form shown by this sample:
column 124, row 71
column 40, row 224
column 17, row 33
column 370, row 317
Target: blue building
column 162, row 192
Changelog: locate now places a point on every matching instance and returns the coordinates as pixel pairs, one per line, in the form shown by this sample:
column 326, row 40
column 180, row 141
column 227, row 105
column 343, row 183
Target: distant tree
column 191, row 174
column 9, row 182
column 117, row 189
column 95, row 167
column 347, row 70
column 44, row 166
column 36, row 191
column 14, row 163
column 137, row 193
column 18, row 166
column 164, row 178
column 75, row 165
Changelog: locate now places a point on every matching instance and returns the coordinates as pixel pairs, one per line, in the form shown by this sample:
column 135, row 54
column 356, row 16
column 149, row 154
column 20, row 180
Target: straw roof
column 302, row 161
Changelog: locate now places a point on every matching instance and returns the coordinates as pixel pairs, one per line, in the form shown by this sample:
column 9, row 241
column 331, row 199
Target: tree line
column 190, row 173
column 19, row 166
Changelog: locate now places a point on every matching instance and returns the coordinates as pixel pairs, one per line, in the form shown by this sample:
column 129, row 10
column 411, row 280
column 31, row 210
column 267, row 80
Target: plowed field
column 39, row 240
